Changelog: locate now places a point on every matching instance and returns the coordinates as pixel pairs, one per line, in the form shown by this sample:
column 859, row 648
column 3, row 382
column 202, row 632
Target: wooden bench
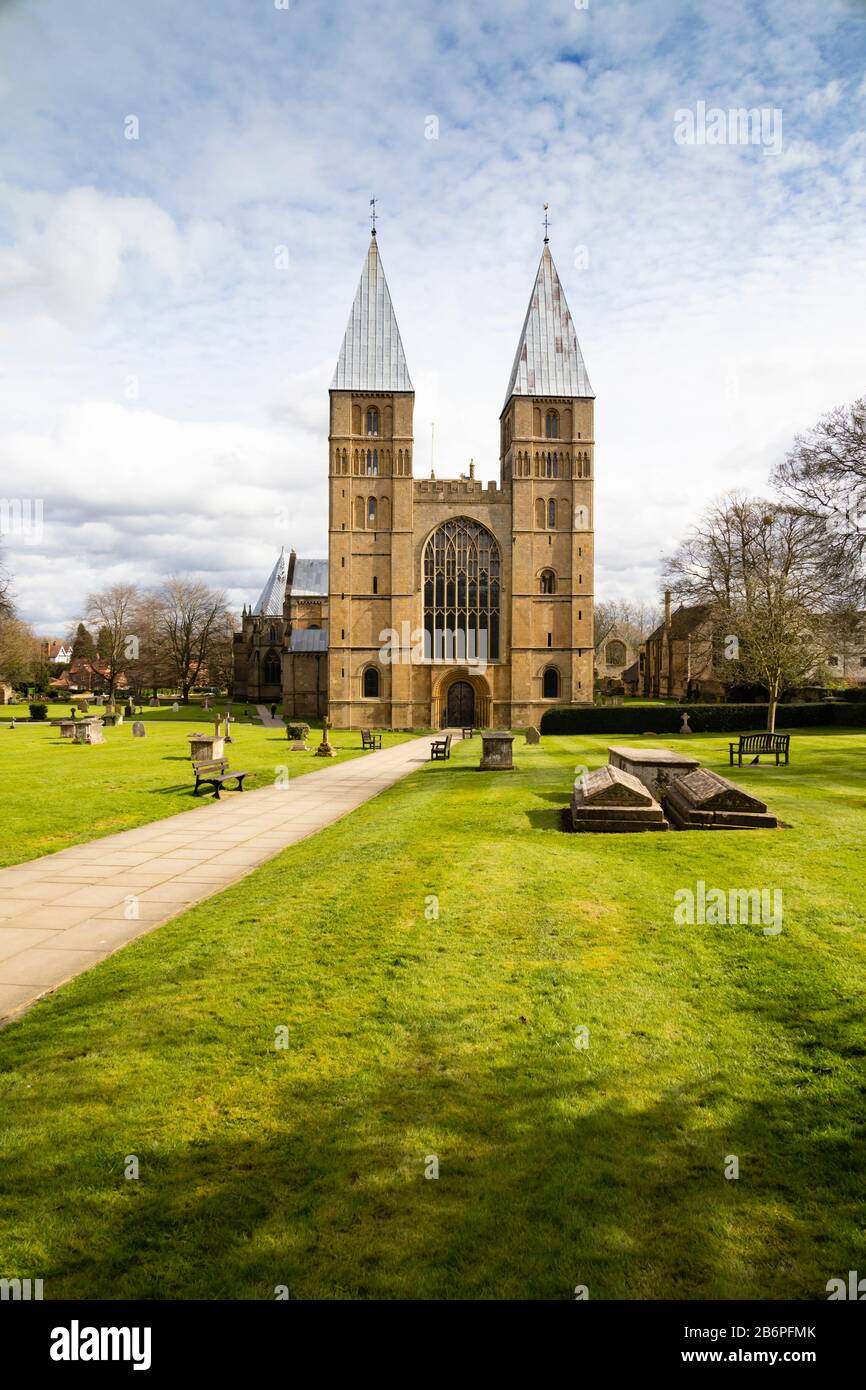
column 215, row 774
column 759, row 745
column 370, row 740
column 440, row 748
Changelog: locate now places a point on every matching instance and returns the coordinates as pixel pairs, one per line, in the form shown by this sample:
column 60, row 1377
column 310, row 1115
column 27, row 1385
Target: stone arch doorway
column 443, row 683
column 459, row 705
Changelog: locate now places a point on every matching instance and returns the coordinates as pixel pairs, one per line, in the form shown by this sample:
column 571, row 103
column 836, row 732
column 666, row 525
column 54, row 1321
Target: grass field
column 54, row 793
column 414, row 1036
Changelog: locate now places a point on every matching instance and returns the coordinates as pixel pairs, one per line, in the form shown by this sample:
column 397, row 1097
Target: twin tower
column 453, row 602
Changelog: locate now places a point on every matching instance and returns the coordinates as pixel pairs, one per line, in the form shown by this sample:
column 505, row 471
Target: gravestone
column 496, row 752
column 685, row 727
column 175, row 707
column 299, row 747
column 657, row 768
column 205, row 748
column 609, row 800
column 532, row 735
column 88, row 731
column 207, row 702
column 153, row 702
column 138, row 729
column 704, row 800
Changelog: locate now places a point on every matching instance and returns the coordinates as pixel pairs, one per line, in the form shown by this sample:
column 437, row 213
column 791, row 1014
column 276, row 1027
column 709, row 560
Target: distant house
column 85, row 677
column 55, row 650
column 678, row 661
column 632, row 676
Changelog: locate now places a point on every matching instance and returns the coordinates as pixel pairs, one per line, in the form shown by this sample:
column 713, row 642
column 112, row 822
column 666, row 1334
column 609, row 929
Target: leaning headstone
column 706, row 801
column 138, row 729
column 532, row 735
column 610, row 800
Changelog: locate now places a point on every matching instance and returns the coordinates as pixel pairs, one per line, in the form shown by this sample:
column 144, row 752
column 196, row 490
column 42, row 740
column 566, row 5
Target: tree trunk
column 771, row 714
column 185, row 697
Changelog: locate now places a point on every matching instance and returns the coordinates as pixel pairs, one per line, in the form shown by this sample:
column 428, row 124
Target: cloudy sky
column 164, row 364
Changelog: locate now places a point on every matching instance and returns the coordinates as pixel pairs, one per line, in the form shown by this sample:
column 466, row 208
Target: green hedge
column 704, row 719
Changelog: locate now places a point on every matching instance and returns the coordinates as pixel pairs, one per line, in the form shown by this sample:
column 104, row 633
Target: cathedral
column 444, row 601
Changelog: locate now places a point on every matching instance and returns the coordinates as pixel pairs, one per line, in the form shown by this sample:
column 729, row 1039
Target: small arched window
column 550, row 684
column 372, row 512
column 372, row 463
column 551, row 514
column 551, row 465
column 372, row 420
column 371, row 683
column 551, row 425
column 548, row 582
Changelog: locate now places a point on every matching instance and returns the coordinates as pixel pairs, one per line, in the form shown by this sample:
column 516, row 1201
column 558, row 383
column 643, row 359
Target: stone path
column 264, row 713
column 61, row 914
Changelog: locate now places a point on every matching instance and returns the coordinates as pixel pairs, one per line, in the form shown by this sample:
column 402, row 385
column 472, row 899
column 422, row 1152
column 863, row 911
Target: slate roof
column 310, row 639
column 272, row 595
column 548, row 361
column 372, row 357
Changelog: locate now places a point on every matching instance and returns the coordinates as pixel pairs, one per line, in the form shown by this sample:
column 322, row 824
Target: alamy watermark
column 736, row 126
column 714, row 907
column 22, row 517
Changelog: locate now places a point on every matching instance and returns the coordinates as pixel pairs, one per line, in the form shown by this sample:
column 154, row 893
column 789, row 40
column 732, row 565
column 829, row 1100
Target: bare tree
column 113, row 611
column 191, row 616
column 605, row 617
column 825, row 475
column 769, row 582
column 7, row 602
column 20, row 651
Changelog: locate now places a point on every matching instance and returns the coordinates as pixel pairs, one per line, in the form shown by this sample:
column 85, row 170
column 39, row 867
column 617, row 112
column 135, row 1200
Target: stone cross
column 325, row 748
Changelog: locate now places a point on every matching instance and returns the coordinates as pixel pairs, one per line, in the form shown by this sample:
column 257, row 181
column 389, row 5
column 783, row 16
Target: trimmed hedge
column 704, row 719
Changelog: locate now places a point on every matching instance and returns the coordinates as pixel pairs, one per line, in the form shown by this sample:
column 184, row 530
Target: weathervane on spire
column 373, row 214
column 546, row 237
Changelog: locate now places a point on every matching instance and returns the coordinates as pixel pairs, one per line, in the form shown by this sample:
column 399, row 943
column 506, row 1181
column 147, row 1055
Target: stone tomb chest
column 704, row 800
column 657, row 768
column 610, row 800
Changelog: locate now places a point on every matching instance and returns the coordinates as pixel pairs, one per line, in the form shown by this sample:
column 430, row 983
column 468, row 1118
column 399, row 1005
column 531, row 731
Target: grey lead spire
column 372, row 357
column 548, row 361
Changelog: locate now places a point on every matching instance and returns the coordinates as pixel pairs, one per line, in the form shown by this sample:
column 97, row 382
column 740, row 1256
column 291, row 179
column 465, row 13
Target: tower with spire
column 371, row 514
column 547, row 445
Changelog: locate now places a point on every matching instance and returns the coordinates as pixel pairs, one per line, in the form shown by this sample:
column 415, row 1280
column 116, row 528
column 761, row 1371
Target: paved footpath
column 264, row 714
column 61, row 914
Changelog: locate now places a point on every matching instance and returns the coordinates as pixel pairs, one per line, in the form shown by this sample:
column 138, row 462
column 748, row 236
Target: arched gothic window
column 461, row 593
column 271, row 669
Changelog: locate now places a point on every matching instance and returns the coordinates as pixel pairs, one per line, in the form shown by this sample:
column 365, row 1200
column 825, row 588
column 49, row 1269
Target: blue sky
column 164, row 383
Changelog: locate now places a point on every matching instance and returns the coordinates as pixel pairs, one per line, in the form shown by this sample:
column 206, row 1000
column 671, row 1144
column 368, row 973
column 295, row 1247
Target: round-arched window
column 371, row 683
column 550, row 683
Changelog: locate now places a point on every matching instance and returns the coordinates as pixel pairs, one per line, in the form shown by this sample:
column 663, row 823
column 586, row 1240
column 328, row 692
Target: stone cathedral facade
column 450, row 601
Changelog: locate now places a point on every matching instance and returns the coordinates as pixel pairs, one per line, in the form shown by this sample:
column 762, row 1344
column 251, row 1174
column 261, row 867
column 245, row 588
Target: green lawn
column 454, row 1038
column 54, row 793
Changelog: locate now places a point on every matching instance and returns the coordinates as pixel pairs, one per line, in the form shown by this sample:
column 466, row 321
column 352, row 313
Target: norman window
column 371, row 683
column 372, row 421
column 372, row 463
column 551, row 466
column 548, row 582
column 551, row 515
column 551, row 425
column 550, row 684
column 461, row 593
column 372, row 512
